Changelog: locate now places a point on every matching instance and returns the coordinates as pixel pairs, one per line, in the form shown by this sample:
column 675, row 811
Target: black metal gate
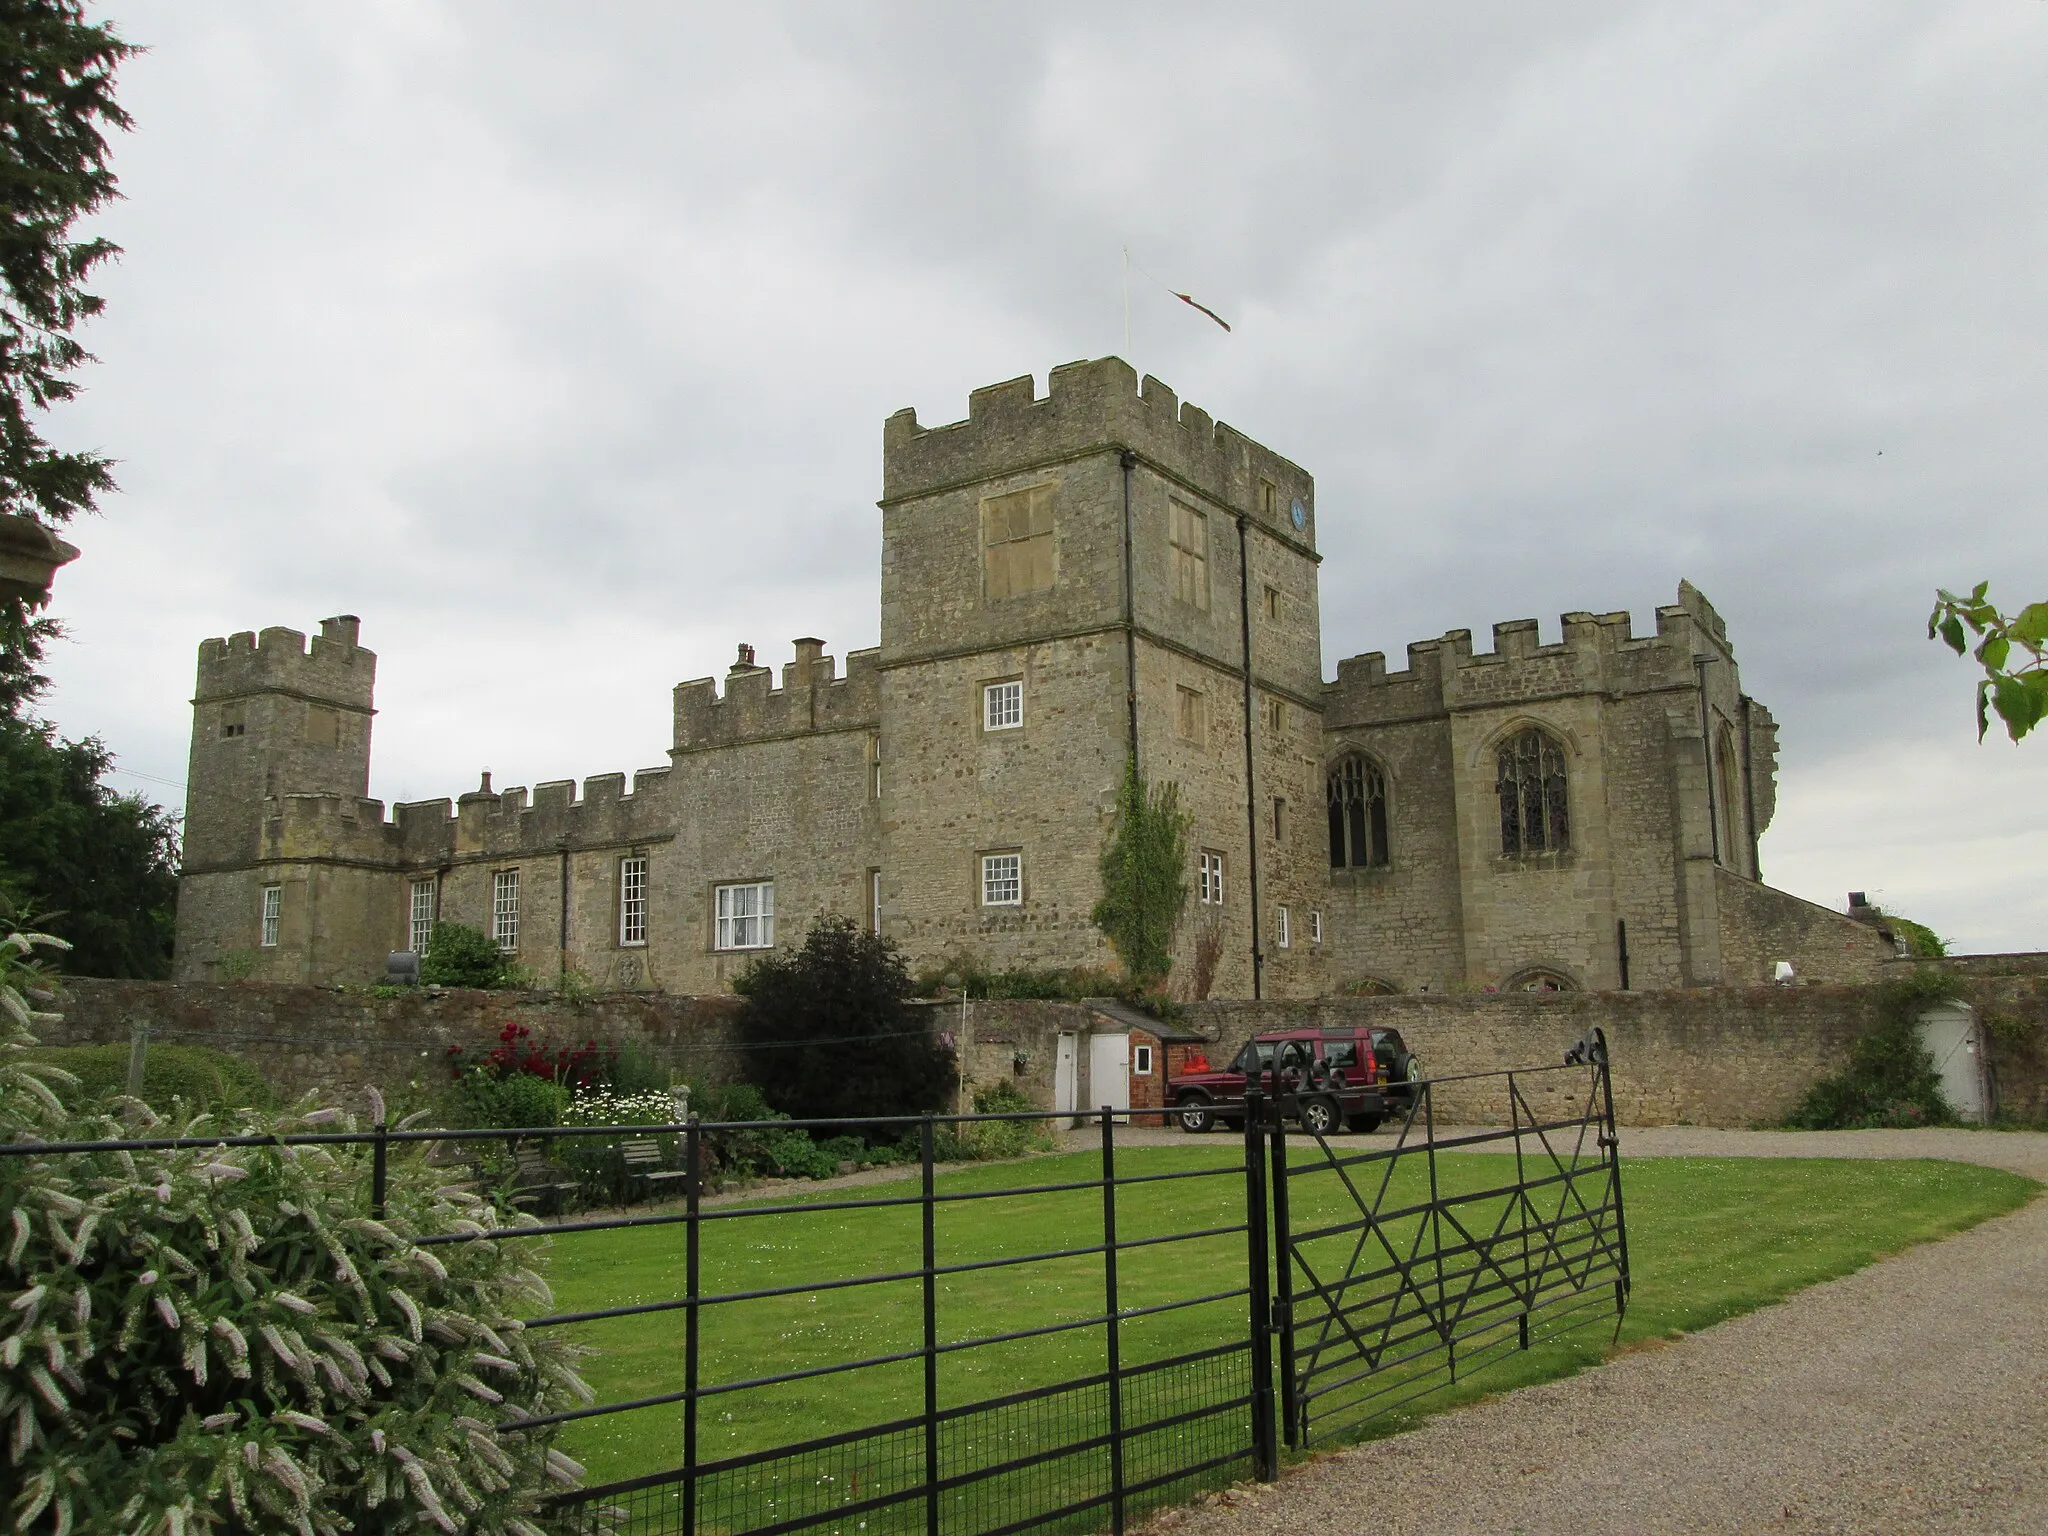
column 1405, row 1266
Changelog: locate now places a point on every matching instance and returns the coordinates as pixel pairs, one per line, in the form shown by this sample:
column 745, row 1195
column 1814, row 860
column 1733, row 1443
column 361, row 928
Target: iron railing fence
column 910, row 1399
column 1403, row 1269
column 1048, row 1345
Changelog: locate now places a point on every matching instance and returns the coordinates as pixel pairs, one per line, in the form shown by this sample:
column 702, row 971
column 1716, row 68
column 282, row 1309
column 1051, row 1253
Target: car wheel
column 1365, row 1125
column 1319, row 1116
column 1195, row 1115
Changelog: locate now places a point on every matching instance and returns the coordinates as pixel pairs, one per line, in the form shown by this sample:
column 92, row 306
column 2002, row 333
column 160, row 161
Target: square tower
column 1067, row 580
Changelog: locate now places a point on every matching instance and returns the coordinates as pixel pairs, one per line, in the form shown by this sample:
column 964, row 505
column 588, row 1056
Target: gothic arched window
column 1358, row 814
column 1533, row 814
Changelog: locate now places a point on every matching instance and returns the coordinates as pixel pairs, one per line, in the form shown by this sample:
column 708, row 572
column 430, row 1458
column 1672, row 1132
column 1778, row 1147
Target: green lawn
column 1709, row 1239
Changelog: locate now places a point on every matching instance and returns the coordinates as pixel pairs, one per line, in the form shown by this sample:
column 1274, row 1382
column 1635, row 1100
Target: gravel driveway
column 1911, row 1396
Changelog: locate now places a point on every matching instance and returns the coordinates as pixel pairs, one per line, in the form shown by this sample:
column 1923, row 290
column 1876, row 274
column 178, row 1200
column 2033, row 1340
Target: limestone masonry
column 1066, row 580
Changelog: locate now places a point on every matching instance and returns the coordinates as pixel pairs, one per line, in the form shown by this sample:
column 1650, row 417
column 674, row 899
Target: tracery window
column 1531, row 781
column 1358, row 814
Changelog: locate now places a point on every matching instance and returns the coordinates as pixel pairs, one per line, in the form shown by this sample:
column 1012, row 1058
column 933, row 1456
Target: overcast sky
column 556, row 341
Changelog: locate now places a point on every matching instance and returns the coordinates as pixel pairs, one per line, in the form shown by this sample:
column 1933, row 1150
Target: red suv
column 1339, row 1077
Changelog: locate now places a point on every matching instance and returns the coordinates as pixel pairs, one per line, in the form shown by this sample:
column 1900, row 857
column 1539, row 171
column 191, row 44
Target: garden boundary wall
column 338, row 1042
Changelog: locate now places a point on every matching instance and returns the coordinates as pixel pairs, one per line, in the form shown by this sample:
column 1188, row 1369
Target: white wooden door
column 1109, row 1071
column 1949, row 1031
column 1065, row 1076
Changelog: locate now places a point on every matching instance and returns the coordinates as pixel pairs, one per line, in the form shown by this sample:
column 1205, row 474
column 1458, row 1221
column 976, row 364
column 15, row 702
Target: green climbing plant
column 1144, row 877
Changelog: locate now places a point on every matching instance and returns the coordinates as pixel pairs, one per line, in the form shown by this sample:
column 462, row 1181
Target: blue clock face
column 1300, row 515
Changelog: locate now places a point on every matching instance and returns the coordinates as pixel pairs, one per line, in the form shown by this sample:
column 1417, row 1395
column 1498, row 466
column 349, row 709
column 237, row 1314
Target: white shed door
column 1065, row 1075
column 1109, row 1071
column 1949, row 1031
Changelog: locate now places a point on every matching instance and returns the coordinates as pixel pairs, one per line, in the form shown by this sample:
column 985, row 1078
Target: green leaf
column 1993, row 653
column 2031, row 626
column 1977, row 596
column 2020, row 704
column 1983, row 717
column 1952, row 633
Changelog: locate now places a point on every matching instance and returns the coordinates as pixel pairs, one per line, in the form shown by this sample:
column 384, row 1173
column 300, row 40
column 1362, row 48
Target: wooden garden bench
column 645, row 1165
column 537, row 1184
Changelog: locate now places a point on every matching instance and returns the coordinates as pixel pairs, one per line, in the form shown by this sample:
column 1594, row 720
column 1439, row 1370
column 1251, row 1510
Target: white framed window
column 1209, row 877
column 419, row 927
column 1002, row 879
column 875, row 767
column 505, row 908
column 745, row 916
column 1002, row 706
column 1141, row 1061
column 1315, row 926
column 875, row 901
column 272, row 909
column 1283, row 927
column 633, row 900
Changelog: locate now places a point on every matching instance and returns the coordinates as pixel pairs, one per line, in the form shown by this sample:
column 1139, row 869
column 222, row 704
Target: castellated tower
column 272, row 718
column 1068, row 580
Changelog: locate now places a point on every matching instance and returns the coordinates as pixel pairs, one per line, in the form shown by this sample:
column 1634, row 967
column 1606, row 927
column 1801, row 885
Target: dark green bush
column 981, row 1141
column 205, row 1079
column 479, row 1101
column 1891, row 1080
column 828, row 1033
column 460, row 956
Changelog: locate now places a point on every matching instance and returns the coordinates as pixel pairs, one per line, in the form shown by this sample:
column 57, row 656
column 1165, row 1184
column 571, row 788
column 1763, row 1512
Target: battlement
column 334, row 669
column 811, row 700
column 1599, row 653
column 1098, row 405
column 501, row 824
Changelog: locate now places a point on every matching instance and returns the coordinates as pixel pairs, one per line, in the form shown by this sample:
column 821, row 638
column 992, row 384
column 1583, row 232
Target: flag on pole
column 1186, row 298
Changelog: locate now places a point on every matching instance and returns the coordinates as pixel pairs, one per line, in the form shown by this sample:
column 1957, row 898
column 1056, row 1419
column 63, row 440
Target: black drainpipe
column 1621, row 948
column 1251, row 798
column 1129, row 461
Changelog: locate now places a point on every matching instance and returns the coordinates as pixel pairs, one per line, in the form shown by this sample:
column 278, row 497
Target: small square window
column 1284, row 928
column 633, row 901
column 745, row 916
column 1002, row 880
column 505, row 909
column 1002, row 706
column 273, row 909
column 1141, row 1061
column 233, row 725
column 1209, row 877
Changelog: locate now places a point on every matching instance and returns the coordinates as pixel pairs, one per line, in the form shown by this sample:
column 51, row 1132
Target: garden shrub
column 479, row 1101
column 203, row 1078
column 1891, row 1079
column 461, row 956
column 229, row 1341
column 981, row 1141
column 828, row 1032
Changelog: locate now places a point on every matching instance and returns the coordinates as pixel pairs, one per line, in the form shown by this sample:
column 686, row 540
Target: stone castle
column 1066, row 580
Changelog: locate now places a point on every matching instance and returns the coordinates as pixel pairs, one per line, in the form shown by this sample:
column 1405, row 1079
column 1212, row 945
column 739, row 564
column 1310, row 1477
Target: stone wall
column 337, row 1042
column 1722, row 1056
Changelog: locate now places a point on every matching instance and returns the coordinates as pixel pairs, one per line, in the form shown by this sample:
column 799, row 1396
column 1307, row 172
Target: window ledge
column 1537, row 861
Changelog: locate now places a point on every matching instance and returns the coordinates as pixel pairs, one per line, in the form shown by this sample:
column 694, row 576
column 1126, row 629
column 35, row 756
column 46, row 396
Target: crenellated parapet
column 426, row 834
column 812, row 700
column 333, row 670
column 1599, row 654
column 1093, row 407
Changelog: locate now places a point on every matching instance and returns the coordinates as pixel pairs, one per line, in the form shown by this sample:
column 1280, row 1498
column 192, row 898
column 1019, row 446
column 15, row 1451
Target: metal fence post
column 1611, row 1135
column 1293, row 1411
column 931, row 1333
column 1116, row 1375
column 380, row 1169
column 1259, row 1279
column 693, row 1162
